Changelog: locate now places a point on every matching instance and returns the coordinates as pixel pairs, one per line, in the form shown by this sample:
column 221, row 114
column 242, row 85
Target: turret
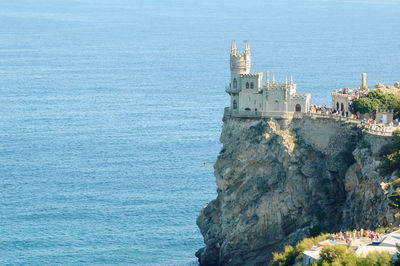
column 233, row 47
column 240, row 63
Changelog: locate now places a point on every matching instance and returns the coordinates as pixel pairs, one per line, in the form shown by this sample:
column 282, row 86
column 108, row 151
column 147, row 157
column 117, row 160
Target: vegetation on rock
column 290, row 254
column 334, row 255
column 375, row 100
column 391, row 157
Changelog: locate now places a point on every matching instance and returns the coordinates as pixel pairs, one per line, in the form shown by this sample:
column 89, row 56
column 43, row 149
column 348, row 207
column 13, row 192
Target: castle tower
column 240, row 63
column 364, row 81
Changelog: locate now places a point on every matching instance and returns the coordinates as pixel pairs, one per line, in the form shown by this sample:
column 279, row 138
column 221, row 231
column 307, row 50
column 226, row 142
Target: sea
column 111, row 112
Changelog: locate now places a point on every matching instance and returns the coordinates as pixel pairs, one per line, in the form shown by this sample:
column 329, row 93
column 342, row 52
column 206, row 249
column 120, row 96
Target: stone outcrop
column 275, row 181
column 395, row 89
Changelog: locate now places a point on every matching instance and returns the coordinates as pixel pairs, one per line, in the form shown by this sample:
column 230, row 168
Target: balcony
column 228, row 89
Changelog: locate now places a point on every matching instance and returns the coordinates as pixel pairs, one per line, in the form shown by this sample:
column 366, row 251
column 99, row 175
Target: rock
column 274, row 185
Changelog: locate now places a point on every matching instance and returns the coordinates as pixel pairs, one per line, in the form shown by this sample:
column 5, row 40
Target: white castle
column 249, row 97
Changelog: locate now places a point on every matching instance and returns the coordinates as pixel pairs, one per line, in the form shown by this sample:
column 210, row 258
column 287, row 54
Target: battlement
column 238, row 56
column 301, row 96
column 384, row 111
column 342, row 95
column 251, row 74
column 277, row 86
column 240, row 63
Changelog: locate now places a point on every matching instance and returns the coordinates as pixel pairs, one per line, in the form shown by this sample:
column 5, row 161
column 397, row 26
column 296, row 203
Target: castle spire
column 291, row 79
column 273, row 79
column 246, row 47
column 233, row 47
column 267, row 78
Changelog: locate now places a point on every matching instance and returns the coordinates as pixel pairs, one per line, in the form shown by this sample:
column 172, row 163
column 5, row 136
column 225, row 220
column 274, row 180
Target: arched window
column 298, row 108
column 251, row 85
column 342, row 107
column 234, row 83
column 247, row 85
column 276, row 107
column 234, row 104
column 337, row 106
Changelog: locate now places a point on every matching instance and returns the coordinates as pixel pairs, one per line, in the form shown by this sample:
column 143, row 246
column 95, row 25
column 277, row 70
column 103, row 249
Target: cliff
column 275, row 184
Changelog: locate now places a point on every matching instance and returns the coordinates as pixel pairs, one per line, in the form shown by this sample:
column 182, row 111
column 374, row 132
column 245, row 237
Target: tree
column 375, row 100
column 329, row 254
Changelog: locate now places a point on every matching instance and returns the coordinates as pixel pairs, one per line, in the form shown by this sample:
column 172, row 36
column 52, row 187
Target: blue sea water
column 108, row 110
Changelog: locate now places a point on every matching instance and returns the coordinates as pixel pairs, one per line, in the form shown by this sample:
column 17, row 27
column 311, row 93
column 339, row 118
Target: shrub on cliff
column 290, row 254
column 288, row 257
column 391, row 155
column 334, row 255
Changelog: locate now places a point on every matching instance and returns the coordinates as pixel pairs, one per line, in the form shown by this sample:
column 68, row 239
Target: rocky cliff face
column 275, row 184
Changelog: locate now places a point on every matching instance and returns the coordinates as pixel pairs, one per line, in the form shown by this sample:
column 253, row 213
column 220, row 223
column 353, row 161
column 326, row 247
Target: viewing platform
column 375, row 129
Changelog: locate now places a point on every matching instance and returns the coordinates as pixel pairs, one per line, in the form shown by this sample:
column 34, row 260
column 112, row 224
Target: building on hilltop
column 342, row 99
column 249, row 97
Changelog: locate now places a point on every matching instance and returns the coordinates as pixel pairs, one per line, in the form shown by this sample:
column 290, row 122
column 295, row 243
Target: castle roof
column 251, row 74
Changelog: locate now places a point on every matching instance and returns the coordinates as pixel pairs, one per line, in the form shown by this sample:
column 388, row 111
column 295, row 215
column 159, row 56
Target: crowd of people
column 320, row 109
column 349, row 236
column 367, row 123
column 372, row 124
column 355, row 93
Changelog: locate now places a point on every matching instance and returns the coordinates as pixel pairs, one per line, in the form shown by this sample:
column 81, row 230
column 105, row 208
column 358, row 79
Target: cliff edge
column 277, row 181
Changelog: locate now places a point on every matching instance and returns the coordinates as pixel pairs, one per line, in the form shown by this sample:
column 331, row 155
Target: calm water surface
column 108, row 110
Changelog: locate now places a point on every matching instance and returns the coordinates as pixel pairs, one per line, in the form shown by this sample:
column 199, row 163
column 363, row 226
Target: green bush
column 307, row 243
column 376, row 99
column 329, row 254
column 341, row 255
column 379, row 258
column 290, row 254
column 333, row 255
column 365, row 105
column 288, row 257
column 395, row 199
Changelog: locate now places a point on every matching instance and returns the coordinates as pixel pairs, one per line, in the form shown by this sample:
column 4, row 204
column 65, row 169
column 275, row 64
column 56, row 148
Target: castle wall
column 251, row 78
column 251, row 101
column 302, row 99
column 276, row 100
